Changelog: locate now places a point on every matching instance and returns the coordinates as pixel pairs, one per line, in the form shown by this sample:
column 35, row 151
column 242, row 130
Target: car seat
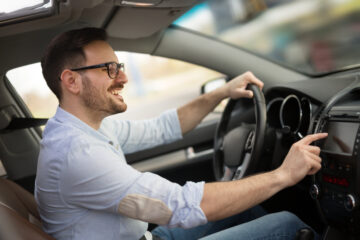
column 19, row 218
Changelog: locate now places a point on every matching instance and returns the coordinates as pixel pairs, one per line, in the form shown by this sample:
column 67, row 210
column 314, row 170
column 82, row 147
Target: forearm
column 224, row 199
column 191, row 114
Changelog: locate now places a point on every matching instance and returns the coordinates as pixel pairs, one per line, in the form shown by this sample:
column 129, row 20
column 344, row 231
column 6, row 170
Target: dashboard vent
column 316, row 119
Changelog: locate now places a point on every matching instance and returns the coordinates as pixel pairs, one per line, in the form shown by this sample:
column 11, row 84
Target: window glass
column 310, row 36
column 31, row 86
column 155, row 85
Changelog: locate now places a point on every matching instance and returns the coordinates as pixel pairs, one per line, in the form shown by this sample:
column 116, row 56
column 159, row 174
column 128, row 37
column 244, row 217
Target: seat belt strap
column 21, row 123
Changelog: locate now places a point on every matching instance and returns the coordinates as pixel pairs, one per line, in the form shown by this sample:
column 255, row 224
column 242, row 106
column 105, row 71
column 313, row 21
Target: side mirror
column 212, row 84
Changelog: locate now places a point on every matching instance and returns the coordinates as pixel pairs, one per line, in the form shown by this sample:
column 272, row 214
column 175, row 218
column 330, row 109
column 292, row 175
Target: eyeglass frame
column 119, row 67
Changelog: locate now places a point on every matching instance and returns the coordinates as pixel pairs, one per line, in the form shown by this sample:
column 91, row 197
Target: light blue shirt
column 83, row 176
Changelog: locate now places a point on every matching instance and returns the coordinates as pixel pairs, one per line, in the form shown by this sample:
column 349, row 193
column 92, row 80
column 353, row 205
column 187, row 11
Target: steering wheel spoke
column 228, row 174
column 245, row 163
column 249, row 145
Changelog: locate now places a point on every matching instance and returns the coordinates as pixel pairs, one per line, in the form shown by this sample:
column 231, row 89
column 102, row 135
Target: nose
column 121, row 77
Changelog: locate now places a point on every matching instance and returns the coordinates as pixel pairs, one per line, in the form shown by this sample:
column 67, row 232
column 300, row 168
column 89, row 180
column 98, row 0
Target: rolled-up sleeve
column 95, row 178
column 182, row 201
column 139, row 135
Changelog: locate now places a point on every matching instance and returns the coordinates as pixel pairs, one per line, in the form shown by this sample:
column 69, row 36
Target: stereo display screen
column 341, row 138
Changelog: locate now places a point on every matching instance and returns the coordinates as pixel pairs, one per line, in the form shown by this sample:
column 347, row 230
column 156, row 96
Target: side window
column 31, row 86
column 155, row 85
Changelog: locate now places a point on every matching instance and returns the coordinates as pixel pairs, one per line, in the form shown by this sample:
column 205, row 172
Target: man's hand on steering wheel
column 236, row 88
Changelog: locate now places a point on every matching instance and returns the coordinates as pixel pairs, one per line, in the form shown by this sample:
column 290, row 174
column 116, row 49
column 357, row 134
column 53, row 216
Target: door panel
column 189, row 159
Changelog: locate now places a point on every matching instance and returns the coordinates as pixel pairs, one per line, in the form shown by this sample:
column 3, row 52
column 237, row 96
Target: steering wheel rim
column 249, row 164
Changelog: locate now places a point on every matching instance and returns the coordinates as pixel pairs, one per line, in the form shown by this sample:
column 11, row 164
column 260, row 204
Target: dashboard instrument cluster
column 292, row 114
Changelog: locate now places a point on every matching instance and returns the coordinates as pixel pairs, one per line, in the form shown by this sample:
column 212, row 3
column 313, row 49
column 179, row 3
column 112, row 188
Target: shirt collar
column 69, row 119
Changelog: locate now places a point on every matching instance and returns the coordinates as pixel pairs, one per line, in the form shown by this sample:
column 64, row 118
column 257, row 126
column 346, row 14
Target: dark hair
column 66, row 51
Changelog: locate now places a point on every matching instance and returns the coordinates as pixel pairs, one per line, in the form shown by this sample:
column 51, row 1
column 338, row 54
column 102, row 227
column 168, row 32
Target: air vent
column 316, row 120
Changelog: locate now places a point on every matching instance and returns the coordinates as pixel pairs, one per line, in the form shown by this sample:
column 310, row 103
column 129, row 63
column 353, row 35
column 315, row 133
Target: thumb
column 241, row 92
column 247, row 93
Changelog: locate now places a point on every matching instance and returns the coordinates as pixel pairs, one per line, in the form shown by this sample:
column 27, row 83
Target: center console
column 336, row 186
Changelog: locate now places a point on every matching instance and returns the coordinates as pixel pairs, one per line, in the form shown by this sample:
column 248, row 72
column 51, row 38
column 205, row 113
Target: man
column 86, row 190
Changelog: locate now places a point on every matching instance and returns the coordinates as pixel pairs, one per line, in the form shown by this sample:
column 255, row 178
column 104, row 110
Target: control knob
column 314, row 191
column 350, row 202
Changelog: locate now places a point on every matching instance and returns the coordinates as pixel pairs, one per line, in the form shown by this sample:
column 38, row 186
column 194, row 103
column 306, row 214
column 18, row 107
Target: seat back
column 19, row 218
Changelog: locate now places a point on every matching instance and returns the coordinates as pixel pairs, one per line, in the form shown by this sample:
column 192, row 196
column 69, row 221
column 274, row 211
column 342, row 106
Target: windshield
column 311, row 36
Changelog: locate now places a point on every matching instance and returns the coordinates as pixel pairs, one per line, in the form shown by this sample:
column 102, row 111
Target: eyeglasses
column 112, row 68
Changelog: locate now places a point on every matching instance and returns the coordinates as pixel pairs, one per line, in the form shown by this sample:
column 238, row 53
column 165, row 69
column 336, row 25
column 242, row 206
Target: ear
column 71, row 81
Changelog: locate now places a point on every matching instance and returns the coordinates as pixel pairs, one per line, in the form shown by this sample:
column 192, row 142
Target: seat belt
column 24, row 122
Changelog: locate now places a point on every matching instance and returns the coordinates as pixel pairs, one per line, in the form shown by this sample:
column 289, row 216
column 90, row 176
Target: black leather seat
column 19, row 218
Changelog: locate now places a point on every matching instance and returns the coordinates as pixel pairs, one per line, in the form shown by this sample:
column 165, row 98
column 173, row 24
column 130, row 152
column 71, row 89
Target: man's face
column 101, row 93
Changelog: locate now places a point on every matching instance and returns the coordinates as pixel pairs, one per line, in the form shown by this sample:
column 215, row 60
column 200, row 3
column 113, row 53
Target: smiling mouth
column 116, row 92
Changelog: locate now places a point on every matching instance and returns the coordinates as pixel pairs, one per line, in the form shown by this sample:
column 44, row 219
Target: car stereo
column 336, row 185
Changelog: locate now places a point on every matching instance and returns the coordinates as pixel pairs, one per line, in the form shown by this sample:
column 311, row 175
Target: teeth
column 116, row 92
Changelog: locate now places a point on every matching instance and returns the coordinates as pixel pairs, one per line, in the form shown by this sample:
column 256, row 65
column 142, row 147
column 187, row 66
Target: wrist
column 281, row 178
column 223, row 92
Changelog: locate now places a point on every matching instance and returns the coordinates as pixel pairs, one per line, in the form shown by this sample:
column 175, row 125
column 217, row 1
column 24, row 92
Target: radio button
column 347, row 168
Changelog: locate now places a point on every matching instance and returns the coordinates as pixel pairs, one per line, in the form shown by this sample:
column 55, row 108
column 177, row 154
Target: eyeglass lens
column 114, row 68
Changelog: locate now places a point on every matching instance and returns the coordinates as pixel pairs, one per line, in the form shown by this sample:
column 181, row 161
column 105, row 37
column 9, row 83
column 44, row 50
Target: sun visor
column 139, row 22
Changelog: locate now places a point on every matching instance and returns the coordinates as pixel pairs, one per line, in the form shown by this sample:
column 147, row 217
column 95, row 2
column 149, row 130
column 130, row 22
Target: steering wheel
column 237, row 152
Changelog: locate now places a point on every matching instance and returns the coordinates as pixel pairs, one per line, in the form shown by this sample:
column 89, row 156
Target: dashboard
column 295, row 112
column 291, row 114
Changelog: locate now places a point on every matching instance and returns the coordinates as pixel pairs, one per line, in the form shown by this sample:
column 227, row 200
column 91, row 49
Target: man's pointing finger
column 313, row 137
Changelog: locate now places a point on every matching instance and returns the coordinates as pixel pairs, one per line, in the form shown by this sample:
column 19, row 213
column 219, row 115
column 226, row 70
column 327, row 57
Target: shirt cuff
column 174, row 118
column 192, row 215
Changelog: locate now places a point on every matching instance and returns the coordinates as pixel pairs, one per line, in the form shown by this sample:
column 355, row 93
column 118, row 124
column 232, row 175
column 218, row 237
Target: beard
column 99, row 101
